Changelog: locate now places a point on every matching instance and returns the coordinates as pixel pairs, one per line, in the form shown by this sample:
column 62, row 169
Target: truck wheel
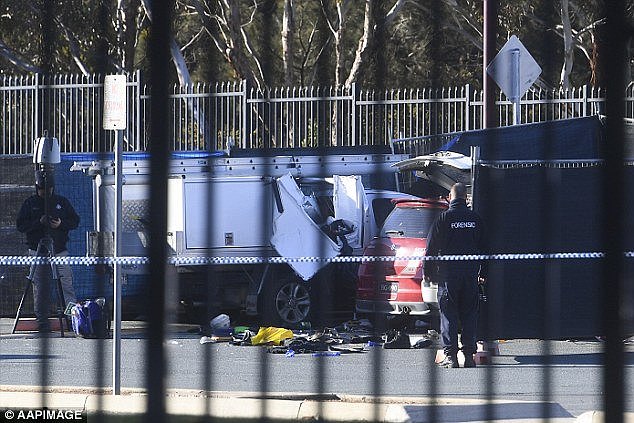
column 286, row 302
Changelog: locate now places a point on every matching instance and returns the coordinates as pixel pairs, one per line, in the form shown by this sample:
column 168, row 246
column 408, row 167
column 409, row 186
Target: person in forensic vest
column 457, row 231
column 36, row 224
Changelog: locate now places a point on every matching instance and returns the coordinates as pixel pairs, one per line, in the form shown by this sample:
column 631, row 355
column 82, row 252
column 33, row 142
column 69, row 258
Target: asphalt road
column 565, row 374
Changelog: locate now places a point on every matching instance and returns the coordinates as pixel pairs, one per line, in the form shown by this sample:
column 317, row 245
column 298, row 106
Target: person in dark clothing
column 36, row 223
column 457, row 231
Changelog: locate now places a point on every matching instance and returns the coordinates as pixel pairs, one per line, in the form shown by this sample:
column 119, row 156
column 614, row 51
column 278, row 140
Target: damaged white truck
column 254, row 232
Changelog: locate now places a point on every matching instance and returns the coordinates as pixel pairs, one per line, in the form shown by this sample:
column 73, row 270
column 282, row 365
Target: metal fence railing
column 218, row 116
column 559, row 300
column 75, row 103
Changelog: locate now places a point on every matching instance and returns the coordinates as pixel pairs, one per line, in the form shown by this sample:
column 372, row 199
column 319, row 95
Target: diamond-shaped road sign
column 501, row 68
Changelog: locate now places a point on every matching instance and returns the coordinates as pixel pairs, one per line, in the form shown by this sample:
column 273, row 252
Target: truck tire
column 285, row 301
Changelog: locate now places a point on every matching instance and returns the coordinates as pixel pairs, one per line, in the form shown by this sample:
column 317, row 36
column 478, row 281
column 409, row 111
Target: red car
column 396, row 287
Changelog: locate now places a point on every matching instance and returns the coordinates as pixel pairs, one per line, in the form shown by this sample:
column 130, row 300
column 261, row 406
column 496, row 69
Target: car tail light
column 378, row 269
column 410, row 267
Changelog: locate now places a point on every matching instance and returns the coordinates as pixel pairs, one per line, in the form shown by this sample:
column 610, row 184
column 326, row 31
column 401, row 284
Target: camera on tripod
column 45, row 156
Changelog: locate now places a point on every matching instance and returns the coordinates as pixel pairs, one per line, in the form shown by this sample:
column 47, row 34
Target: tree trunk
column 288, row 52
column 569, row 56
column 242, row 46
column 130, row 33
column 120, row 25
column 338, row 34
column 363, row 45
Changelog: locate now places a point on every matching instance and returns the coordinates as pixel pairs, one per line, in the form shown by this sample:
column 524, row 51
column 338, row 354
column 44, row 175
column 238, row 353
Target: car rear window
column 382, row 208
column 410, row 222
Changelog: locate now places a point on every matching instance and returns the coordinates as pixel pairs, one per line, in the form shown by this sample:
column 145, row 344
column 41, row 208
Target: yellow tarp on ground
column 271, row 335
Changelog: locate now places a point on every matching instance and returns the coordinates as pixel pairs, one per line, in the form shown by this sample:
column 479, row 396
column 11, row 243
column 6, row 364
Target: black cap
column 44, row 178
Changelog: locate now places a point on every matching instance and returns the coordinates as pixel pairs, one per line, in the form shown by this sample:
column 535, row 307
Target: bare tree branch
column 247, row 43
column 393, row 12
column 577, row 39
column 208, row 25
column 73, row 42
column 193, row 39
column 337, row 31
column 307, row 48
column 252, row 17
column 17, row 60
column 367, row 38
column 180, row 64
column 235, row 41
column 465, row 15
column 327, row 18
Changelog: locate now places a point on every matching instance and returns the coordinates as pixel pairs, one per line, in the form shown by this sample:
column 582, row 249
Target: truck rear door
column 444, row 168
column 296, row 235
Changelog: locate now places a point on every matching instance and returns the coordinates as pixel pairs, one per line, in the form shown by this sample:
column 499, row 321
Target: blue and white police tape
column 215, row 260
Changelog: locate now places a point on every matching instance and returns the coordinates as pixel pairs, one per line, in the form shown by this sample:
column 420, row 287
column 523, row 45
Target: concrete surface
column 189, row 405
column 184, row 404
column 247, row 407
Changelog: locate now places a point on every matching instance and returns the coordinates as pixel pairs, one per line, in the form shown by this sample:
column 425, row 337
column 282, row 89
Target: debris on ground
column 350, row 337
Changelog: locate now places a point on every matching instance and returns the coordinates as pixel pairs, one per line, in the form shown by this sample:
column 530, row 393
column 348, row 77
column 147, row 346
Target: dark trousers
column 458, row 300
column 43, row 287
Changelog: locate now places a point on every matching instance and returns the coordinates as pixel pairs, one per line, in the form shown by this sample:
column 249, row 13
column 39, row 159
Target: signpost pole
column 115, row 118
column 116, row 348
column 515, row 75
column 490, row 15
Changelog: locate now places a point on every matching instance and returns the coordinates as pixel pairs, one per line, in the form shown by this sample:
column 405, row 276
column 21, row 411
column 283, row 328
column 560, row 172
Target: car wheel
column 286, row 302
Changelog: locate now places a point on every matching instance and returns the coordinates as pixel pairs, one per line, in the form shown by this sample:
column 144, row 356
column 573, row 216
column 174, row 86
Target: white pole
column 115, row 118
column 515, row 75
column 118, row 228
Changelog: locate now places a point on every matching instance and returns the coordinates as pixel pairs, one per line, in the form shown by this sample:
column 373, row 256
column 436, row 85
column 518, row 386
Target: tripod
column 44, row 249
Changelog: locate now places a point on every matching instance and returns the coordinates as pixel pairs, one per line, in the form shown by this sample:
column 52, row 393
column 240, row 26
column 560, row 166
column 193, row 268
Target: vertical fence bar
column 12, row 126
column 37, row 106
column 158, row 50
column 138, row 139
column 251, row 127
column 70, row 120
column 244, row 114
column 466, row 125
column 614, row 61
column 3, row 109
column 82, row 120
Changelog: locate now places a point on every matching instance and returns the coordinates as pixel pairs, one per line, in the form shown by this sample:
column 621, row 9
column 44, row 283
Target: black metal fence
column 567, row 245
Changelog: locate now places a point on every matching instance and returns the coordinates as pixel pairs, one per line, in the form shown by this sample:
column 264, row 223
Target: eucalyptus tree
column 88, row 36
column 291, row 42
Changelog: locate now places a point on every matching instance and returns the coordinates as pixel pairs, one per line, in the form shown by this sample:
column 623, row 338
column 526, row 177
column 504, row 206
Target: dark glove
column 482, row 293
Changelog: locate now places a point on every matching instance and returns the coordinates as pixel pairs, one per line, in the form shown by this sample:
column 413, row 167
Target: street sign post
column 115, row 117
column 514, row 70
